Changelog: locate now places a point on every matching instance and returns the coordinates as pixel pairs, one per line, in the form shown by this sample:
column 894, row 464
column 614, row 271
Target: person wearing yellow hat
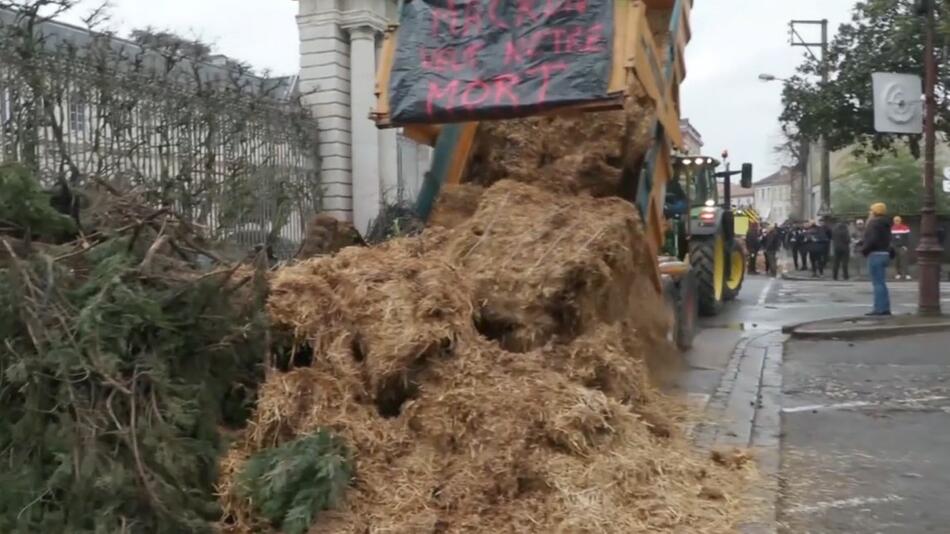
column 900, row 237
column 877, row 249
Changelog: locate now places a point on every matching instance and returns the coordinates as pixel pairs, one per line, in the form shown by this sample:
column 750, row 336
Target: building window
column 77, row 114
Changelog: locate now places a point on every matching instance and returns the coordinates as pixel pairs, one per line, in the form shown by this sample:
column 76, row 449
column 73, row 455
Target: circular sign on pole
column 899, row 109
column 897, row 103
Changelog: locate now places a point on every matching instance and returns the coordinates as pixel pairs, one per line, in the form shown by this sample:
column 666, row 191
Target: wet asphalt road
column 865, row 442
column 865, row 426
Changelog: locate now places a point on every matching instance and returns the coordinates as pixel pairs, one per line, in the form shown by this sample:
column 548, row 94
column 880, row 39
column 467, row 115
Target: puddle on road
column 745, row 326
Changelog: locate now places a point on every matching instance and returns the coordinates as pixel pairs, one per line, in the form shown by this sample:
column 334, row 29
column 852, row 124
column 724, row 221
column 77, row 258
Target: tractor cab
column 698, row 173
column 692, row 198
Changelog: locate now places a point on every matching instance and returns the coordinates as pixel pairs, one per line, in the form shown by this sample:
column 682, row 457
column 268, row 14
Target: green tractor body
column 703, row 229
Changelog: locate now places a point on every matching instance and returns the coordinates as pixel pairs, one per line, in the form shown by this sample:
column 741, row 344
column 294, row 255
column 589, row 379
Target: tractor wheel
column 707, row 257
column 737, row 260
column 687, row 312
column 681, row 298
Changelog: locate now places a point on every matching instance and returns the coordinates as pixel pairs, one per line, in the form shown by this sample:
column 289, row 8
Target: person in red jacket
column 900, row 239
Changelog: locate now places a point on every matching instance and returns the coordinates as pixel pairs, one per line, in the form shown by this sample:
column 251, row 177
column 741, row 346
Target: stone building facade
column 362, row 167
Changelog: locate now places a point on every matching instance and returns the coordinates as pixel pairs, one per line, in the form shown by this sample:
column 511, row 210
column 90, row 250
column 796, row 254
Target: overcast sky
column 733, row 42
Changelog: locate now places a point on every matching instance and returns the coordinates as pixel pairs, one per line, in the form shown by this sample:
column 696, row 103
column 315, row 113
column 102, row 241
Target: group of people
column 815, row 244
column 767, row 239
column 810, row 244
column 881, row 239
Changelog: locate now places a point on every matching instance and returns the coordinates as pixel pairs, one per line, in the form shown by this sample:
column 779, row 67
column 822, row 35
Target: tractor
column 702, row 228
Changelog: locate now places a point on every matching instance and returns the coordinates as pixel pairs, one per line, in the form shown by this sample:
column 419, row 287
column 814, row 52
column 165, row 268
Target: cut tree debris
column 122, row 362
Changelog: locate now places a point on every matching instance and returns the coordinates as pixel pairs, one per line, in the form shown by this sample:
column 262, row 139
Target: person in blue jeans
column 877, row 249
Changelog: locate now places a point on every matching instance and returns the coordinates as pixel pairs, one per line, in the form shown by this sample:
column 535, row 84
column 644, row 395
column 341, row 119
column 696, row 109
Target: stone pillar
column 325, row 84
column 338, row 50
column 366, row 137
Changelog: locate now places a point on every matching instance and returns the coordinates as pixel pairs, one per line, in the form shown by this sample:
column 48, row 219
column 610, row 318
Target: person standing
column 826, row 228
column 877, row 249
column 797, row 241
column 814, row 247
column 857, row 240
column 754, row 243
column 773, row 241
column 900, row 238
column 841, row 245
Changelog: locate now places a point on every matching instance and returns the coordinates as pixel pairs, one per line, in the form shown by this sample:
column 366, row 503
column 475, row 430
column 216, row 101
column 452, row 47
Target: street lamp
column 825, row 157
column 805, row 210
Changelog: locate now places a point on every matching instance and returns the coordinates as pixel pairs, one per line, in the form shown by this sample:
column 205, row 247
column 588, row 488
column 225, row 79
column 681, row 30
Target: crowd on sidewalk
column 827, row 245
column 876, row 243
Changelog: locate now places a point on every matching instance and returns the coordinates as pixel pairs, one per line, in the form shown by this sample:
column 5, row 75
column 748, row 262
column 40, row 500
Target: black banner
column 475, row 59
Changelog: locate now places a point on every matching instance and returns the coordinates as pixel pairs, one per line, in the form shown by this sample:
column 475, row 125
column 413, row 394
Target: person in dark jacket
column 825, row 239
column 796, row 241
column 877, row 249
column 754, row 243
column 815, row 245
column 772, row 243
column 841, row 245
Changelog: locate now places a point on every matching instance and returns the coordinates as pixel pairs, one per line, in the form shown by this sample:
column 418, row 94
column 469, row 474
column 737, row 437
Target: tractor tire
column 687, row 312
column 737, row 259
column 703, row 260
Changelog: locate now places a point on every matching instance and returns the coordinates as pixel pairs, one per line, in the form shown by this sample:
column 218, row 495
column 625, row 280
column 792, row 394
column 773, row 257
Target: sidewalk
column 790, row 273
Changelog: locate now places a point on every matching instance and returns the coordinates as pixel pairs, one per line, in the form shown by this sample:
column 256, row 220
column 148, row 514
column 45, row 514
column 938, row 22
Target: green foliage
column 883, row 36
column 894, row 180
column 114, row 383
column 24, row 206
column 394, row 220
column 290, row 484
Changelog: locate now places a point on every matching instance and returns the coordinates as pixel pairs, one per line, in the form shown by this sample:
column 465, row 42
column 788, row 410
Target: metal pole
column 825, row 153
column 805, row 172
column 727, row 184
column 821, row 144
column 929, row 251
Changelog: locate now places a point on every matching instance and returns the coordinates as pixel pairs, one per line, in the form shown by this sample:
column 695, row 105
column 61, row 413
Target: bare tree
column 163, row 116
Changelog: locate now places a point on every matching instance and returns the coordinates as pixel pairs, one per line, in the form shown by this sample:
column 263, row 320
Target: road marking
column 764, row 295
column 853, row 502
column 859, row 404
column 826, row 407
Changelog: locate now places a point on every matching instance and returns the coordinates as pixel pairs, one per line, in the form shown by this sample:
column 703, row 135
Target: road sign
column 946, row 186
column 897, row 103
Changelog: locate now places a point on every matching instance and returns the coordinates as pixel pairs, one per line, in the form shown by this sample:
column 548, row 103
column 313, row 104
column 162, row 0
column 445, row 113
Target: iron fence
column 233, row 152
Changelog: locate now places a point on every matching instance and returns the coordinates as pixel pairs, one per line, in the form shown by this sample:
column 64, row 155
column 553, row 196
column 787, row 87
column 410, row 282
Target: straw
column 494, row 374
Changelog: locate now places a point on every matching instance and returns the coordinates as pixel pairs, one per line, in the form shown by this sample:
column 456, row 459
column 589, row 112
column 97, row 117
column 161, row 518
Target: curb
column 800, row 331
